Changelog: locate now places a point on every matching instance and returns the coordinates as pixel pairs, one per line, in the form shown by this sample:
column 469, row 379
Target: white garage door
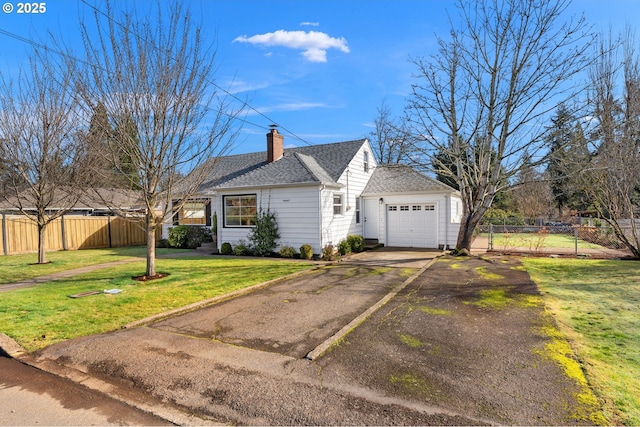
column 412, row 225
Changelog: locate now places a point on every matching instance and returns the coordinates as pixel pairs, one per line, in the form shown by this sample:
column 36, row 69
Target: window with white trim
column 357, row 210
column 240, row 211
column 337, row 204
column 366, row 161
column 404, row 208
column 393, row 208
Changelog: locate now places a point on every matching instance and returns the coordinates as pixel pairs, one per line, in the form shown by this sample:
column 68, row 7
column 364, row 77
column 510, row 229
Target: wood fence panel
column 21, row 234
column 127, row 232
column 85, row 232
column 52, row 236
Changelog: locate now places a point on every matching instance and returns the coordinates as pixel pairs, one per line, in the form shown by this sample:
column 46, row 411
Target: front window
column 366, row 161
column 240, row 211
column 193, row 212
column 357, row 210
column 337, row 204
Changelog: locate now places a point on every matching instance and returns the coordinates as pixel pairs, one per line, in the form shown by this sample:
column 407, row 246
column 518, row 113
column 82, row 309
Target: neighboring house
column 92, row 202
column 321, row 194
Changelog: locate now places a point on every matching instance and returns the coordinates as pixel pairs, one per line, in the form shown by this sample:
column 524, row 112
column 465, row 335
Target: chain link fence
column 558, row 239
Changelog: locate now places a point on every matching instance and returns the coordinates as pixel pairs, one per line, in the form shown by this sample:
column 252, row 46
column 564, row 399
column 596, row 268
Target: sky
column 319, row 69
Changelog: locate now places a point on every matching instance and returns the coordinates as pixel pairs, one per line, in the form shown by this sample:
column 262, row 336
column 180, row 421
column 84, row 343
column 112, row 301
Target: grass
column 535, row 241
column 14, row 268
column 597, row 306
column 39, row 316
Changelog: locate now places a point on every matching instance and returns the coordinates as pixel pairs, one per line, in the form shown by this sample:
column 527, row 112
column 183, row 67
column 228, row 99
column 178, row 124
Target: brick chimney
column 275, row 145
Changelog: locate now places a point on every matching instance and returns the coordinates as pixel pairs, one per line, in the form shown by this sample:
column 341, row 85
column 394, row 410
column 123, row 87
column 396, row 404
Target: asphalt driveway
column 424, row 353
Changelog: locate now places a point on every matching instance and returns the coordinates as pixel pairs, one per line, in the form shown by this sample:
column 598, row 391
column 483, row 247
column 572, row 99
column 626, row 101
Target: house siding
column 353, row 180
column 297, row 214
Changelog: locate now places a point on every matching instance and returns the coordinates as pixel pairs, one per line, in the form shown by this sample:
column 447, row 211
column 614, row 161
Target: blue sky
column 319, row 69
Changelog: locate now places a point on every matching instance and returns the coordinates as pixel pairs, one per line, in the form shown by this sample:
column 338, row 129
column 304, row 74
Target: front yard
column 42, row 315
column 15, row 268
column 596, row 304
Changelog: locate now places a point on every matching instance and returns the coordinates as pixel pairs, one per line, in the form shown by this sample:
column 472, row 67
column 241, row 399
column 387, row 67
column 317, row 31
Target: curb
column 319, row 350
column 9, row 347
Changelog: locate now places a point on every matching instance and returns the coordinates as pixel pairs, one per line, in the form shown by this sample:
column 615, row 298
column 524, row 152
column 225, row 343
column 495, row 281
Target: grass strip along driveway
column 39, row 316
column 597, row 305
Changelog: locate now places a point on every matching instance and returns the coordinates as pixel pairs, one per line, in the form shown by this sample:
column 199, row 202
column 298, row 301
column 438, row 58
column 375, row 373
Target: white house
column 321, row 194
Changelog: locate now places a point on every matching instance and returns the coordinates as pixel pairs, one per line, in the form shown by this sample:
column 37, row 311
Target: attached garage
column 404, row 208
column 412, row 225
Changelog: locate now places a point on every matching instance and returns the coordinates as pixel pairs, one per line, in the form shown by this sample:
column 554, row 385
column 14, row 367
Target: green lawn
column 535, row 241
column 14, row 268
column 597, row 306
column 42, row 315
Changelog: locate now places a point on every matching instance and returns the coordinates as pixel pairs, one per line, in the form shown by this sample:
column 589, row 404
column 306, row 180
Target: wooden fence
column 20, row 235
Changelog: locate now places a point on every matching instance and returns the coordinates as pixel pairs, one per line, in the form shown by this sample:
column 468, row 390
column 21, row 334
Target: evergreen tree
column 568, row 154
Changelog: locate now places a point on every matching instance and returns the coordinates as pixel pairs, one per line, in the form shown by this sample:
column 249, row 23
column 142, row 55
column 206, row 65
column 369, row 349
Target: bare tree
column 531, row 194
column 154, row 74
column 392, row 141
column 42, row 158
column 612, row 178
column 482, row 97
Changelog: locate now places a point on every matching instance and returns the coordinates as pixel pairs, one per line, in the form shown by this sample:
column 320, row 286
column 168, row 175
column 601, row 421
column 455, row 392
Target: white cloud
column 314, row 44
column 309, row 24
column 292, row 106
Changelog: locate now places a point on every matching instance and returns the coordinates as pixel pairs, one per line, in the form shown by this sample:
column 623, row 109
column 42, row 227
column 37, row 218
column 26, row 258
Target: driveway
column 422, row 353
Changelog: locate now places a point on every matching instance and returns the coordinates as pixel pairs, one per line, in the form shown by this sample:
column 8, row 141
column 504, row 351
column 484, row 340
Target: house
column 321, row 194
column 88, row 202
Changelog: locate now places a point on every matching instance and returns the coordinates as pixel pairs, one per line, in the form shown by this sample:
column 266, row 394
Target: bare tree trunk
column 467, row 229
column 151, row 248
column 42, row 256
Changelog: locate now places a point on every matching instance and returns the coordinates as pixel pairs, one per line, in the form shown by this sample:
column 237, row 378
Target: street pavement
column 29, row 396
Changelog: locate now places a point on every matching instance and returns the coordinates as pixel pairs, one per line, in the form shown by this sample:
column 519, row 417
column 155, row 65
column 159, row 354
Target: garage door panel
column 412, row 225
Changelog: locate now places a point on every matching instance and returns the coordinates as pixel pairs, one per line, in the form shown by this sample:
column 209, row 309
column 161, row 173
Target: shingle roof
column 321, row 164
column 402, row 179
column 89, row 199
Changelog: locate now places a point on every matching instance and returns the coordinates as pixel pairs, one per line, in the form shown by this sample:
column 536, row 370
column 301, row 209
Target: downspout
column 447, row 200
column 322, row 188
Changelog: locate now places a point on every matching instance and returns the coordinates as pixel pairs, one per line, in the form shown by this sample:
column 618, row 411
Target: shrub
column 498, row 216
column 287, row 252
column 178, row 236
column 264, row 236
column 226, row 249
column 356, row 243
column 241, row 248
column 306, row 251
column 188, row 237
column 344, row 247
column 329, row 253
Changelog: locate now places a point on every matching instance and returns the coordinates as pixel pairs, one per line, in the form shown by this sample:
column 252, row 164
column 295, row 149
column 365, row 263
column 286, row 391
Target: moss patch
column 410, row 340
column 434, row 311
column 487, row 275
column 560, row 352
column 495, row 299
